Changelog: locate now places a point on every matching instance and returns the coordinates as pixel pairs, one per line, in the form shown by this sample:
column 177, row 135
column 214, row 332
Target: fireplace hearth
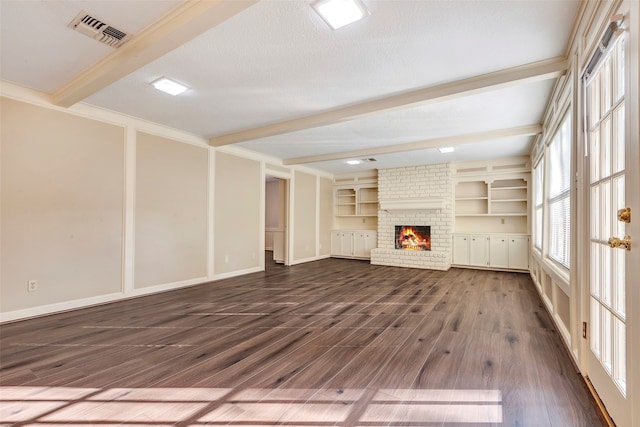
column 413, row 237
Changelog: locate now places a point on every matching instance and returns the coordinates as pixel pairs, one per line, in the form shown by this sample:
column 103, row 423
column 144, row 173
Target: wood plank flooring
column 329, row 343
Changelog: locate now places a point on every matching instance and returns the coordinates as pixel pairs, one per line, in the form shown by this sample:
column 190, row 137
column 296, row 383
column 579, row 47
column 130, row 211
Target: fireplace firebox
column 413, row 237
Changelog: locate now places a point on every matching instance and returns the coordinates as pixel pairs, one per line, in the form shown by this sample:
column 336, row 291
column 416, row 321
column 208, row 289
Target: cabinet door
column 478, row 250
column 461, row 250
column 336, row 243
column 498, row 251
column 519, row 252
column 371, row 242
column 346, row 243
column 359, row 244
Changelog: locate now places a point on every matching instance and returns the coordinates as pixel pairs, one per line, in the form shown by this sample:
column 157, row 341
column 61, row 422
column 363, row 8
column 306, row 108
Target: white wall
column 98, row 206
column 62, row 206
column 326, row 216
column 238, row 184
column 305, row 217
column 171, row 211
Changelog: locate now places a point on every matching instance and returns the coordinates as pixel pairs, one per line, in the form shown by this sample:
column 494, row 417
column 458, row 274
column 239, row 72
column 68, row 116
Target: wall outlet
column 32, row 285
column 226, row 258
column 502, row 221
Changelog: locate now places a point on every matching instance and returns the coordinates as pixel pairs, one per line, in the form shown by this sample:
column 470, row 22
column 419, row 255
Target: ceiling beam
column 446, row 141
column 183, row 23
column 536, row 71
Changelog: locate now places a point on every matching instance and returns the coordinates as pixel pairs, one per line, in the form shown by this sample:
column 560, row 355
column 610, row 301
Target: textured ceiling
column 277, row 61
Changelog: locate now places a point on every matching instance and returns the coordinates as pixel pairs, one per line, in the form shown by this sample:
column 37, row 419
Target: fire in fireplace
column 413, row 237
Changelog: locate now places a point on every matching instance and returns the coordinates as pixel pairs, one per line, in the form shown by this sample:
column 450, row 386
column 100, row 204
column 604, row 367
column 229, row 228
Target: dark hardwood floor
column 333, row 342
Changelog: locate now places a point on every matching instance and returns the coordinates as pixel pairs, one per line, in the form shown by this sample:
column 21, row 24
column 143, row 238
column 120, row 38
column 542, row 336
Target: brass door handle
column 624, row 215
column 625, row 243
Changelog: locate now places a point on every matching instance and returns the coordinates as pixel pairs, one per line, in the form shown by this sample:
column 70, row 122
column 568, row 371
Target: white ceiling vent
column 98, row 30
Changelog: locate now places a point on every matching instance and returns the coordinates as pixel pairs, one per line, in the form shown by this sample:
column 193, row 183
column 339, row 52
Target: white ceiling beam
column 536, row 71
column 183, row 23
column 446, row 141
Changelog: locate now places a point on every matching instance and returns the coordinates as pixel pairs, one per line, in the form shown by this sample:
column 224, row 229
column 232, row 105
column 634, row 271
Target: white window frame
column 538, row 204
column 549, row 200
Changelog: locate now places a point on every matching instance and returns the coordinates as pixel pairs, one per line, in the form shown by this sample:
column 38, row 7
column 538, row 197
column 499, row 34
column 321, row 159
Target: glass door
column 609, row 247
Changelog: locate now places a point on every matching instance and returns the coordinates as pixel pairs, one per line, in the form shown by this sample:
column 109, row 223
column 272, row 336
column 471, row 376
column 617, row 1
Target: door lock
column 625, row 243
column 624, row 215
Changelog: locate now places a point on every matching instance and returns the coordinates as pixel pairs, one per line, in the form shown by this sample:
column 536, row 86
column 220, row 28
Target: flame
column 410, row 239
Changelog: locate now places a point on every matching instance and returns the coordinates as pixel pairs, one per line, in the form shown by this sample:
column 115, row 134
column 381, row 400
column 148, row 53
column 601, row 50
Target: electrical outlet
column 226, row 258
column 502, row 221
column 32, row 286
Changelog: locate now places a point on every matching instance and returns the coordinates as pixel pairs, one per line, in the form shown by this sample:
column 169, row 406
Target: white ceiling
column 276, row 61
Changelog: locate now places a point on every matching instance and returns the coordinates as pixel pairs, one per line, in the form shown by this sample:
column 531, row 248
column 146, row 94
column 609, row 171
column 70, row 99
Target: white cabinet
column 342, row 243
column 461, row 249
column 479, row 250
column 498, row 251
column 519, row 252
column 363, row 242
column 353, row 244
column 346, row 244
column 492, row 251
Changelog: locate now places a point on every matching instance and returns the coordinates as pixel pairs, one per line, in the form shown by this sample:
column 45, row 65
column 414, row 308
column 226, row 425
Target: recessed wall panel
column 62, row 180
column 171, row 211
column 305, row 216
column 238, row 183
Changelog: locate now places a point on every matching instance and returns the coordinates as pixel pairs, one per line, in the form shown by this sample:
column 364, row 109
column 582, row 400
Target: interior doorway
column 276, row 220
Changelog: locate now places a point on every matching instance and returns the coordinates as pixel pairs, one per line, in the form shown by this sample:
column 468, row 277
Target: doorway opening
column 276, row 219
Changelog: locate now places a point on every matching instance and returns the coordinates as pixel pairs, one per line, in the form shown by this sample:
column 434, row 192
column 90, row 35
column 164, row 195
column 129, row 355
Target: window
column 538, row 185
column 559, row 194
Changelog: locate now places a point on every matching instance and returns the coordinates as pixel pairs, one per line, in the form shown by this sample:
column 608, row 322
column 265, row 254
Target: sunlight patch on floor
column 40, row 406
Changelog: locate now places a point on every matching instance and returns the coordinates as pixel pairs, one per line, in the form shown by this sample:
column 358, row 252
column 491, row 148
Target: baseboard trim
column 237, row 273
column 310, row 259
column 61, row 307
column 45, row 310
column 602, row 410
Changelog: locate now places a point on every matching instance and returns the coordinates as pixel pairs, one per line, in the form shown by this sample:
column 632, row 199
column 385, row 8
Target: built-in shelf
column 492, row 198
column 359, row 199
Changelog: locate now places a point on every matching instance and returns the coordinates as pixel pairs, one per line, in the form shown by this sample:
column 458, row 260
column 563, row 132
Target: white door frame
column 632, row 118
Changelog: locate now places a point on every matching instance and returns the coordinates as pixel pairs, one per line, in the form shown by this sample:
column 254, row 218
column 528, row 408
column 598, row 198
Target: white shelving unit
column 501, row 197
column 356, row 200
column 491, row 224
column 345, row 202
column 355, row 216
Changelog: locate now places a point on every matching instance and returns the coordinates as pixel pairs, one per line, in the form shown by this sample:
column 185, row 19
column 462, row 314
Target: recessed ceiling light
column 338, row 13
column 353, row 162
column 169, row 86
column 446, row 149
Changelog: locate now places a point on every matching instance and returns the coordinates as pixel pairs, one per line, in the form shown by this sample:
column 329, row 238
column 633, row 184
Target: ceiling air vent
column 98, row 30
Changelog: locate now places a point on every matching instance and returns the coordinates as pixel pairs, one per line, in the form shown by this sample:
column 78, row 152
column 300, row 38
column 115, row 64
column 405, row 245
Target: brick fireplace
column 420, row 196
